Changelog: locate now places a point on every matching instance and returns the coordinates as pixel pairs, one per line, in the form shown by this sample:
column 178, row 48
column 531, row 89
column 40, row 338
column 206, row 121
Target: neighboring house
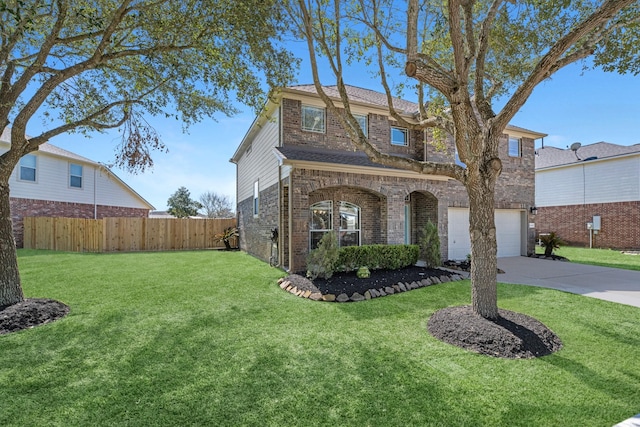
column 597, row 184
column 297, row 170
column 54, row 182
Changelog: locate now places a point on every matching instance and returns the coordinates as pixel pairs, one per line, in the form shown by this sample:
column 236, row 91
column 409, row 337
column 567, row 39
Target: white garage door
column 508, row 228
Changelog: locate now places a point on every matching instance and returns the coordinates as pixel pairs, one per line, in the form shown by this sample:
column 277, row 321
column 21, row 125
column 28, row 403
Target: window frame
column 22, row 166
column 72, row 175
column 323, row 117
column 343, row 232
column 325, row 205
column 404, row 131
column 517, row 141
column 256, row 198
column 363, row 125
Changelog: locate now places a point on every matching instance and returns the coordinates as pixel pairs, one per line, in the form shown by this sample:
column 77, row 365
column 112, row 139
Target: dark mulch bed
column 29, row 313
column 511, row 336
column 348, row 283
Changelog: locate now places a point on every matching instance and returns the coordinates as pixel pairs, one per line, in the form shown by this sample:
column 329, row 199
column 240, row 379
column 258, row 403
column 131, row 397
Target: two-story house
column 298, row 171
column 53, row 182
column 590, row 195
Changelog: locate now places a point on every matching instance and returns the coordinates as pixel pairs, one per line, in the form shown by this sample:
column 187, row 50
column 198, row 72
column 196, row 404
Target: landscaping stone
column 367, row 295
column 402, row 287
column 315, row 296
column 357, row 297
column 389, row 290
column 329, row 297
column 342, row 298
column 435, row 280
column 444, row 279
column 426, row 281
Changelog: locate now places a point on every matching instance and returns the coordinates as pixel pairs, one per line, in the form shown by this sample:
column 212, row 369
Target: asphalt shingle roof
column 366, row 96
column 347, row 158
column 552, row 156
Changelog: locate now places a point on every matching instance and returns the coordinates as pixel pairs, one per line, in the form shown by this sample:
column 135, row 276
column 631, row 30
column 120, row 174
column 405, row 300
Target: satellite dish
column 575, row 146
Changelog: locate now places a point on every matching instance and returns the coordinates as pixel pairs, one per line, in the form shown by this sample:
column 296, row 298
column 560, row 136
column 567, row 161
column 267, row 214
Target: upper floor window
column 399, row 136
column 28, row 168
column 362, row 120
column 313, row 119
column 256, row 199
column 75, row 175
column 515, row 147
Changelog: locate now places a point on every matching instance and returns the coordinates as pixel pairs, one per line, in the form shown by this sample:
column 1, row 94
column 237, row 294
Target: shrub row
column 391, row 257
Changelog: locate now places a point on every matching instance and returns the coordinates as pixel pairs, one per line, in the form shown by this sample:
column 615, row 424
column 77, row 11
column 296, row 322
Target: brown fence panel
column 124, row 234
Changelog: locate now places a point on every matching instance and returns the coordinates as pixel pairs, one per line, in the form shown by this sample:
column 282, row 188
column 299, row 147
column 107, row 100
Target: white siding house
column 597, row 183
column 55, row 182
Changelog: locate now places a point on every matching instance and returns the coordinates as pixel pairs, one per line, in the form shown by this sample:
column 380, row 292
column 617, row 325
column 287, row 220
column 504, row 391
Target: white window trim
column 256, row 199
column 313, row 129
column 406, row 136
column 519, row 140
column 35, row 169
column 365, row 128
column 71, row 175
column 320, row 230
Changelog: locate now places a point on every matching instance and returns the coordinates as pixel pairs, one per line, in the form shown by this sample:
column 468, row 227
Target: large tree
column 85, row 66
column 216, row 205
column 462, row 56
column 181, row 205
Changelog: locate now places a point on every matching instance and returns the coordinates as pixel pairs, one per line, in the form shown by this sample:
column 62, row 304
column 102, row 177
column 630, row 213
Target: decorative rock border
column 369, row 294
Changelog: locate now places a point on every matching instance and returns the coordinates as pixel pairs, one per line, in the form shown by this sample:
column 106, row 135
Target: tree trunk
column 484, row 246
column 10, row 289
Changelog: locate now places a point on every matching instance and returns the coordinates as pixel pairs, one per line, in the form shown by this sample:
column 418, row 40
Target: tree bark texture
column 484, row 246
column 10, row 288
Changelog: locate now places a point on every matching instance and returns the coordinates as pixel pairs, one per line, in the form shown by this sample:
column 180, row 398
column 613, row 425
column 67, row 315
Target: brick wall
column 255, row 232
column 620, row 224
column 21, row 208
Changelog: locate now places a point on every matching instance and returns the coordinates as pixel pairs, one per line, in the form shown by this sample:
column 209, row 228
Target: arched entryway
column 420, row 208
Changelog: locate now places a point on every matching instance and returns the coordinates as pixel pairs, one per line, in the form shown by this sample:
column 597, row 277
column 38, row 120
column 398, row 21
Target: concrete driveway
column 611, row 284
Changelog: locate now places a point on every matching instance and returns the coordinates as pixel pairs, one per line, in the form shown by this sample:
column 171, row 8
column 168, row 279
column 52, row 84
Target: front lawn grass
column 602, row 257
column 207, row 338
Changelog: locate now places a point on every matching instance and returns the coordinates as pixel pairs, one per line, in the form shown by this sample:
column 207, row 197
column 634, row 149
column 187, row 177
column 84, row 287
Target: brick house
column 597, row 184
column 53, row 182
column 298, row 171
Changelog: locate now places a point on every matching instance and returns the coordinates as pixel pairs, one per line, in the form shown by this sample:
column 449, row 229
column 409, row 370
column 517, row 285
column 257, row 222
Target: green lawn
column 601, row 257
column 207, row 338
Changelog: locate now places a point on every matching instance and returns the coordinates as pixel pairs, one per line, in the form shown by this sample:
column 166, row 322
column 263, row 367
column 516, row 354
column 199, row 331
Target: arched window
column 321, row 221
column 349, row 224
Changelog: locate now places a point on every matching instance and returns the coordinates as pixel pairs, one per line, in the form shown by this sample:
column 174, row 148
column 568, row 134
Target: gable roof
column 363, row 96
column 5, row 139
column 552, row 156
column 357, row 95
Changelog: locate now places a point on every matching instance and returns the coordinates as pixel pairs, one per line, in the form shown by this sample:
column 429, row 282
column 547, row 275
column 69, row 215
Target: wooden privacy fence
column 124, row 234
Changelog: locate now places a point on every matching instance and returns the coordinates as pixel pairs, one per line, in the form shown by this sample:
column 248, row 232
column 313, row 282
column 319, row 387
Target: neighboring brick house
column 297, row 170
column 596, row 183
column 54, row 182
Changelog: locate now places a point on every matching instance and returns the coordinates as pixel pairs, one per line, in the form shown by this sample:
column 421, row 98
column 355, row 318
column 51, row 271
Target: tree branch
column 552, row 60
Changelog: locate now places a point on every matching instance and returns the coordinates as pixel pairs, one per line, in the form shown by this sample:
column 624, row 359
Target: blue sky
column 571, row 107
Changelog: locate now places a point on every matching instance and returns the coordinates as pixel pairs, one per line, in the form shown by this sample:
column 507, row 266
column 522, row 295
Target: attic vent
column 590, row 158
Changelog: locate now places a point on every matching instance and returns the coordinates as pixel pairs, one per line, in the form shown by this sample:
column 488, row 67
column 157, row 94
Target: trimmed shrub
column 390, row 257
column 429, row 242
column 322, row 262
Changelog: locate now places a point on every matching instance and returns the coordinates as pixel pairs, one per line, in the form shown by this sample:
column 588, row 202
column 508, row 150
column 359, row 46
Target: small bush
column 378, row 256
column 321, row 262
column 429, row 242
column 550, row 242
column 363, row 273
